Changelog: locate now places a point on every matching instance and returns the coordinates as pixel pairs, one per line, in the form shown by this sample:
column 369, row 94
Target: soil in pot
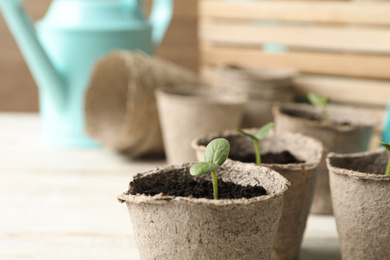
column 201, row 188
column 309, row 115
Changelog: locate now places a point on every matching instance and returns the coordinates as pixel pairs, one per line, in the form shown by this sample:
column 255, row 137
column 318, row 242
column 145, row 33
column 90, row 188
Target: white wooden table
column 61, row 203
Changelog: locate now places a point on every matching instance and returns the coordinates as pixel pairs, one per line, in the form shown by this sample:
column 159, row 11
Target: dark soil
column 303, row 114
column 280, row 158
column 309, row 116
column 200, row 188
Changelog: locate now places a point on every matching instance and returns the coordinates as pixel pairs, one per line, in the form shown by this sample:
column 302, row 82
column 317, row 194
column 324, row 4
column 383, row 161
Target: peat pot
column 361, row 203
column 264, row 87
column 120, row 106
column 186, row 227
column 294, row 156
column 348, row 130
column 185, row 114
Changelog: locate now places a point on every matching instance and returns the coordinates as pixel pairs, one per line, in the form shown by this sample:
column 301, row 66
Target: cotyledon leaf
column 264, row 131
column 202, row 168
column 217, row 151
column 386, row 145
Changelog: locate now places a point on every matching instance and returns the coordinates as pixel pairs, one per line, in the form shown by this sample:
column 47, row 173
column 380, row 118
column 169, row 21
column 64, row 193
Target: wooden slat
column 358, row 39
column 370, row 12
column 370, row 66
column 369, row 93
column 355, row 91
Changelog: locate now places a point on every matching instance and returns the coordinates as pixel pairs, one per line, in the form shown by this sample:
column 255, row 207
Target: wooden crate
column 342, row 48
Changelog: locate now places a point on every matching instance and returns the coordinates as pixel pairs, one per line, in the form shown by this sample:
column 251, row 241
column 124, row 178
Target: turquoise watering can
column 386, row 125
column 63, row 47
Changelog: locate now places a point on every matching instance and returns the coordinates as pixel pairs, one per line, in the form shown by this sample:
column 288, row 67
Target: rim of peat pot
column 196, row 144
column 353, row 116
column 201, row 95
column 335, row 162
column 262, row 74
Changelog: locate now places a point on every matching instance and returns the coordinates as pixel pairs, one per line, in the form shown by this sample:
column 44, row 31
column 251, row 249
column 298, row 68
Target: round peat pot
column 186, row 227
column 348, row 130
column 361, row 203
column 294, row 156
column 185, row 114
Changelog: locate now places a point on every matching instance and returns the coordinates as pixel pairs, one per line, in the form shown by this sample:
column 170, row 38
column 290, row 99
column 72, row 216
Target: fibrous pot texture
column 302, row 176
column 348, row 130
column 361, row 203
column 169, row 227
column 187, row 114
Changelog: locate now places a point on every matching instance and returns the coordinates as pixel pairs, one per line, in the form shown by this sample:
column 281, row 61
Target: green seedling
column 387, row 146
column 257, row 137
column 320, row 102
column 217, row 152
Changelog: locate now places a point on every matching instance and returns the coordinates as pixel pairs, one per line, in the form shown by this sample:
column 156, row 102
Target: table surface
column 58, row 203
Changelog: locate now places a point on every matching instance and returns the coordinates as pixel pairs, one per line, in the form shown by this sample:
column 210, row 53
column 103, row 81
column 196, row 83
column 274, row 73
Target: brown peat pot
column 348, row 130
column 361, row 203
column 186, row 227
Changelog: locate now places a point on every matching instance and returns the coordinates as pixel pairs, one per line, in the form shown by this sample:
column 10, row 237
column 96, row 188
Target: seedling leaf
column 386, row 145
column 202, row 168
column 217, row 151
column 317, row 100
column 320, row 102
column 264, row 131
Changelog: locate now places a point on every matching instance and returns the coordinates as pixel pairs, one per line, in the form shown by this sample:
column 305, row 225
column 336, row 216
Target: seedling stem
column 387, row 146
column 257, row 137
column 215, row 184
column 320, row 102
column 257, row 151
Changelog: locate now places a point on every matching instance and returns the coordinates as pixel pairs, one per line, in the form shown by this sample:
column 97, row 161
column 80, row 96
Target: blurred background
column 339, row 49
column 18, row 90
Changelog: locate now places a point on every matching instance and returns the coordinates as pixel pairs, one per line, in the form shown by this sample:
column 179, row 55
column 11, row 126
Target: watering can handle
column 160, row 17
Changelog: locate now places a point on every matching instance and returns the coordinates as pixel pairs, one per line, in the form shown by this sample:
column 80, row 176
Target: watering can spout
column 46, row 76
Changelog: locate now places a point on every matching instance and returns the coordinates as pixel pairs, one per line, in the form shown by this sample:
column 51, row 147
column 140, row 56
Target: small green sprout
column 257, row 137
column 217, row 152
column 320, row 102
column 387, row 146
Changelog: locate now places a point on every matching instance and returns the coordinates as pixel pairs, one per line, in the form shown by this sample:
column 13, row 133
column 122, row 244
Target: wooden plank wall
column 18, row 91
column 342, row 47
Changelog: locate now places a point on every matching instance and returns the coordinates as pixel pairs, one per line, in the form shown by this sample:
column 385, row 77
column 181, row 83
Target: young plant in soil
column 387, row 146
column 217, row 152
column 320, row 102
column 257, row 137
